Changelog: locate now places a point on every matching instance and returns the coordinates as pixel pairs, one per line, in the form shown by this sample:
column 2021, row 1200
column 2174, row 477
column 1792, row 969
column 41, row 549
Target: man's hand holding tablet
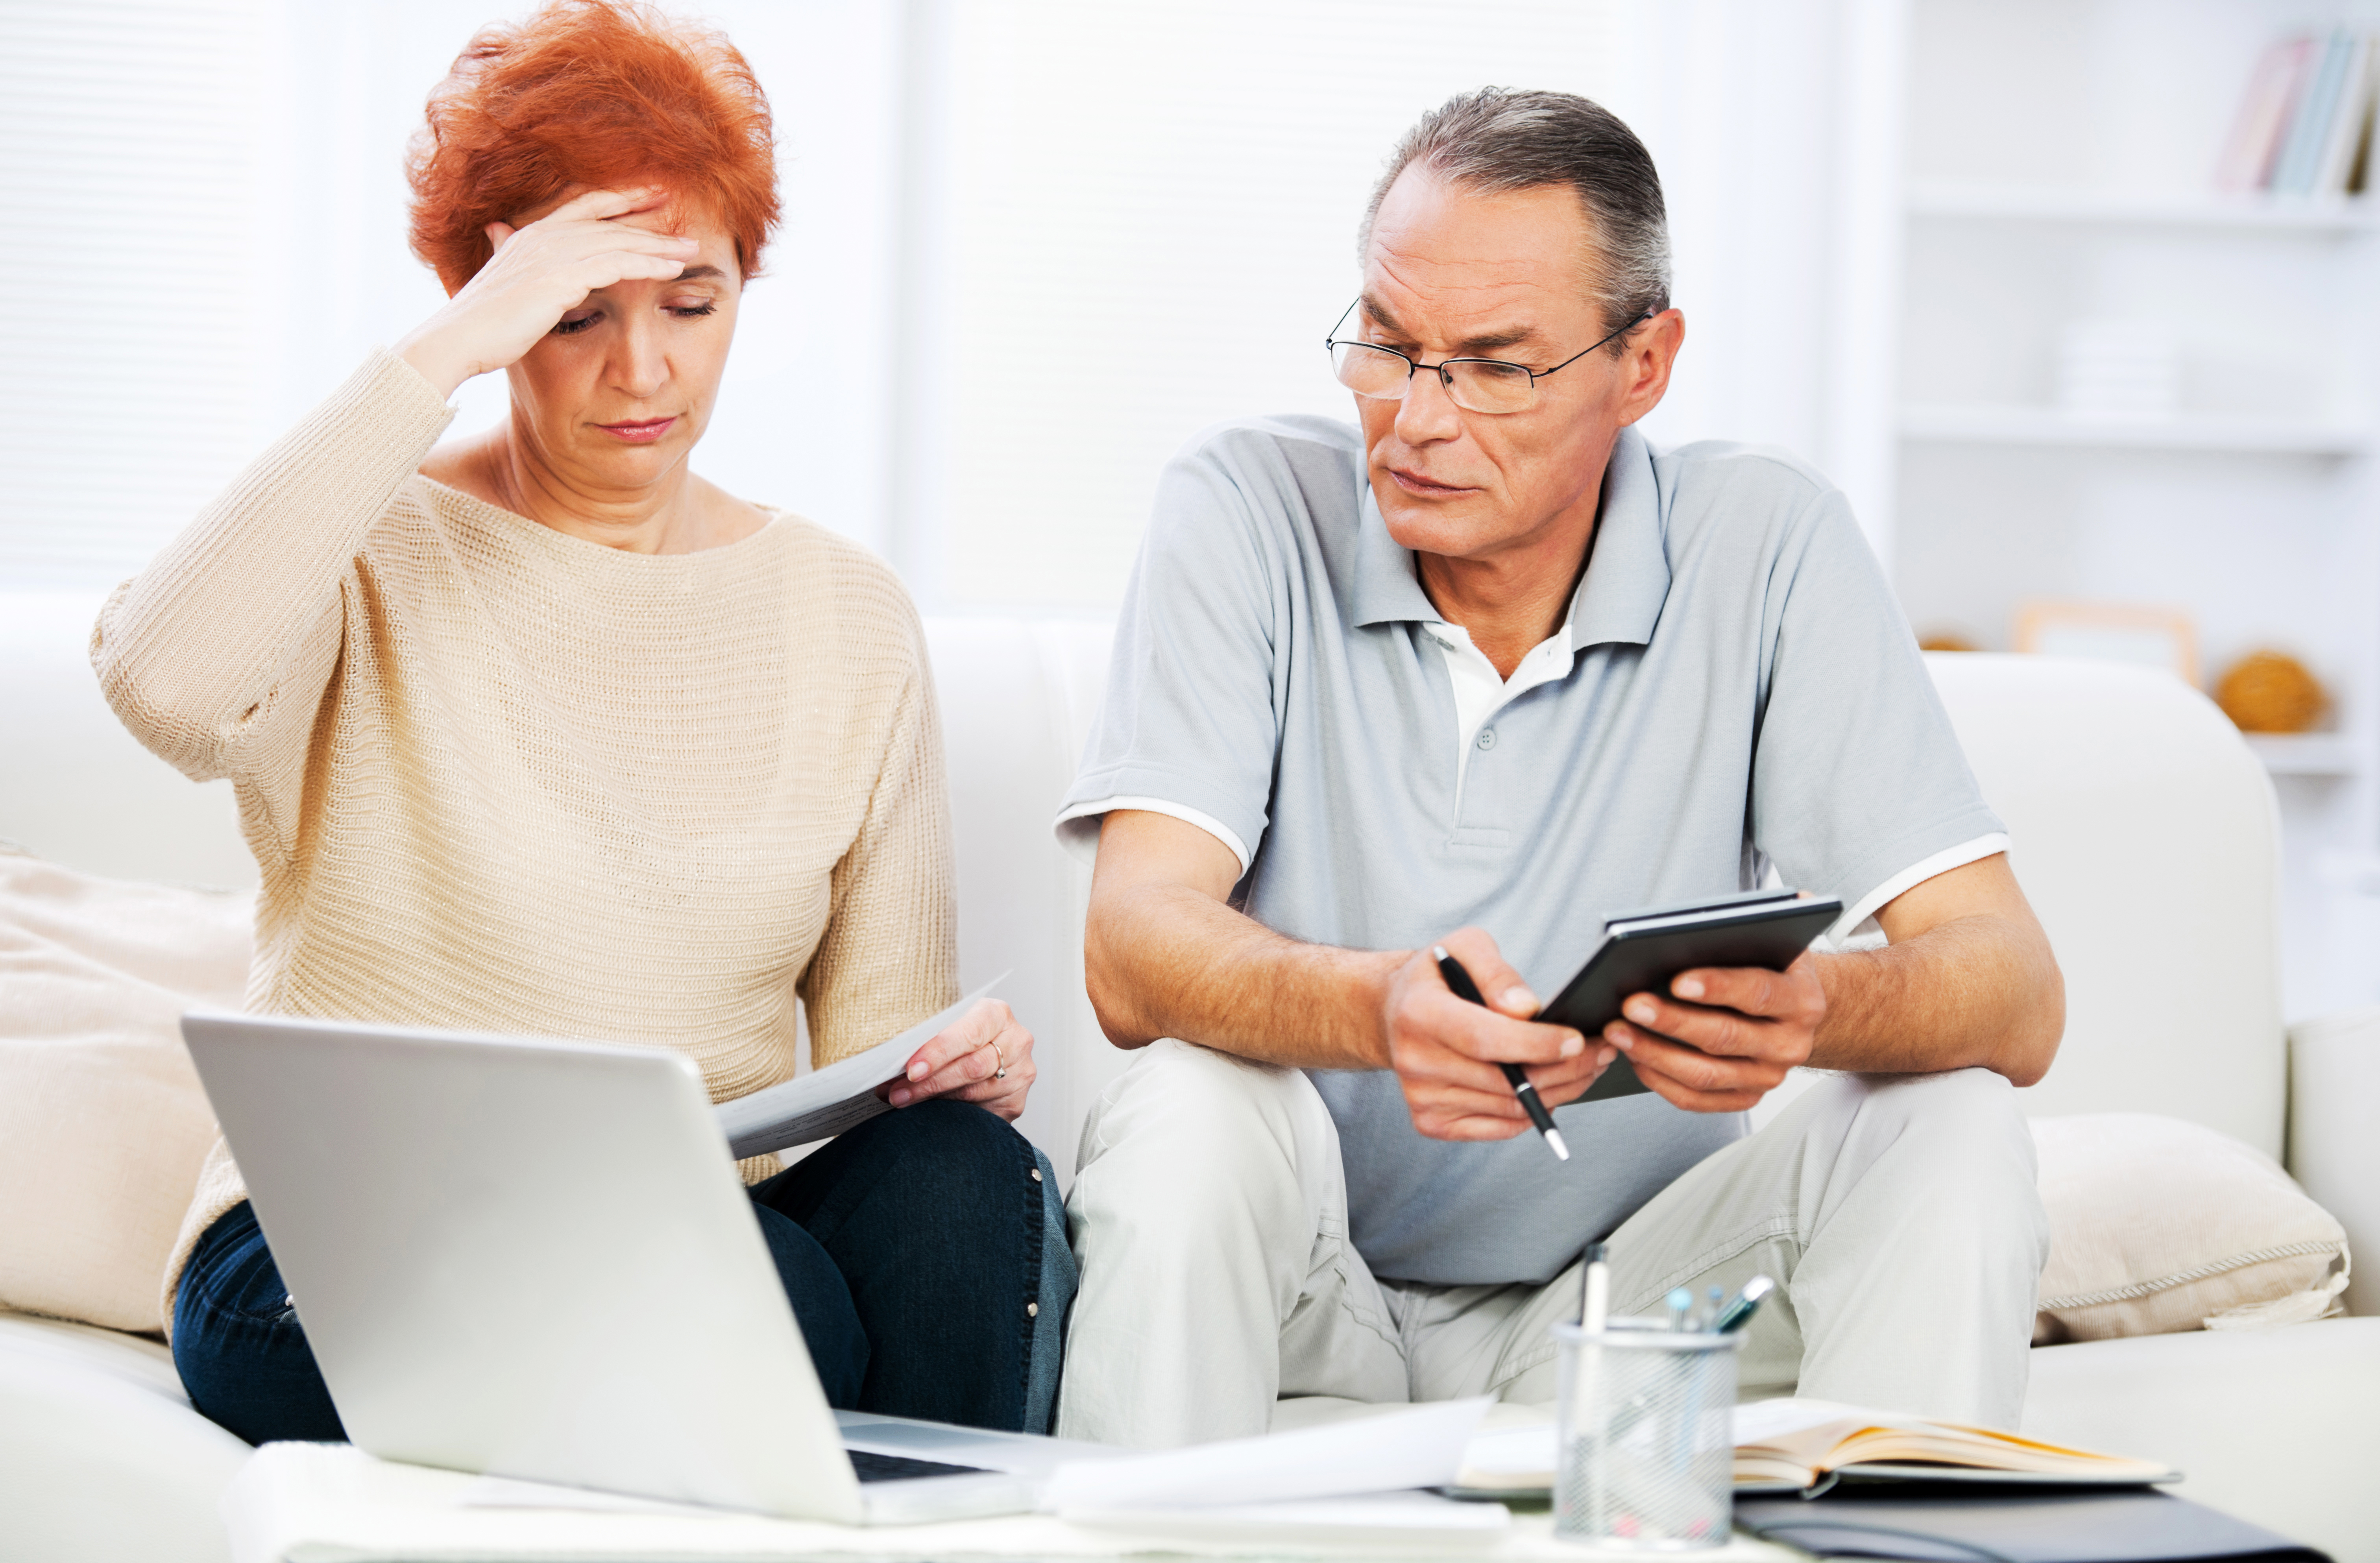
column 1711, row 1003
column 1725, row 1038
column 1745, row 1011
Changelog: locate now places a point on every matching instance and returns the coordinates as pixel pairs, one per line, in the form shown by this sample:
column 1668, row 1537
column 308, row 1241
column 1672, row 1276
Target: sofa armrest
column 2334, row 1090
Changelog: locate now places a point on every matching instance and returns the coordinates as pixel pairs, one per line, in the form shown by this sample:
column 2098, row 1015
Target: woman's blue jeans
column 924, row 1253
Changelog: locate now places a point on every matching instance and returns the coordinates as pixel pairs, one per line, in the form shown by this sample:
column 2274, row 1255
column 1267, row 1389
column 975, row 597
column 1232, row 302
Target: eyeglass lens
column 1476, row 384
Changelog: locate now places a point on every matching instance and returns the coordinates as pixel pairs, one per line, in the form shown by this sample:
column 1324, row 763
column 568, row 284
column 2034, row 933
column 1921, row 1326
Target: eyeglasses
column 1481, row 385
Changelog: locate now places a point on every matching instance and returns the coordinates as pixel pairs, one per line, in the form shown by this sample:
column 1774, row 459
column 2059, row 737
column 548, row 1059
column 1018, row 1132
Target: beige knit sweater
column 501, row 778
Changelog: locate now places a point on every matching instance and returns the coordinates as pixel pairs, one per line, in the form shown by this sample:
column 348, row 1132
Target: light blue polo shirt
column 1735, row 688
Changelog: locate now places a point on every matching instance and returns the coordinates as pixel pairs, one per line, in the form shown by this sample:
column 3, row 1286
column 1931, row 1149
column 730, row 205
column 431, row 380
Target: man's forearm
column 1164, row 954
column 1168, row 961
column 1980, row 991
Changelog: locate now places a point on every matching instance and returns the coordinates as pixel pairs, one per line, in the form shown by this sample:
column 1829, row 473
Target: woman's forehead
column 669, row 216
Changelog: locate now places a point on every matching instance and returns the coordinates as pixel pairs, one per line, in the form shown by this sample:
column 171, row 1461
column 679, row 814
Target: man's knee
column 1966, row 1117
column 1188, row 1138
column 1180, row 1093
column 1956, row 1142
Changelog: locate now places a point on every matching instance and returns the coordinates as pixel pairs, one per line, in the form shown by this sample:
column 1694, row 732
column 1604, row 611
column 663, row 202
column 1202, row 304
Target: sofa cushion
column 2157, row 1225
column 2274, row 1426
column 101, row 1455
column 102, row 1123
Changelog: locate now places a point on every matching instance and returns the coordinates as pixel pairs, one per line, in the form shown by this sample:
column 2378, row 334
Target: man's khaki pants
column 1209, row 1215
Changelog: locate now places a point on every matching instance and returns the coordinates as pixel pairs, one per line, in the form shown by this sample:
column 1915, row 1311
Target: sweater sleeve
column 217, row 655
column 889, row 956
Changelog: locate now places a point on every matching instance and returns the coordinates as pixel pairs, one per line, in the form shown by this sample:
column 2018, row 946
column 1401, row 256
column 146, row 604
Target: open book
column 825, row 1102
column 1795, row 1443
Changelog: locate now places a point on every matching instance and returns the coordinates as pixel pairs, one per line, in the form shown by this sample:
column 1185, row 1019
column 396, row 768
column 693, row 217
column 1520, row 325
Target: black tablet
column 1642, row 950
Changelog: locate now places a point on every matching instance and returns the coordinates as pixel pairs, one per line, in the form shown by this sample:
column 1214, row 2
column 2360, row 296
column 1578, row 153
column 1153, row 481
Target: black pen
column 1459, row 982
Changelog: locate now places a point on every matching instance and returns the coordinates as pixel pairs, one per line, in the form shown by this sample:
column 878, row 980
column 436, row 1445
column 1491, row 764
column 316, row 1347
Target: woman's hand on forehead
column 539, row 271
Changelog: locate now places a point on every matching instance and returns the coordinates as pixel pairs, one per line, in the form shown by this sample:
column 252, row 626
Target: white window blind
column 1109, row 225
column 1148, row 226
column 127, row 157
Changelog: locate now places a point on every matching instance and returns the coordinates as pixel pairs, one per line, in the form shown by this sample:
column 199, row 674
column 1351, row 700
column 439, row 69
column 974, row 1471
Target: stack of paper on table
column 1312, row 1492
column 332, row 1503
column 1793, row 1444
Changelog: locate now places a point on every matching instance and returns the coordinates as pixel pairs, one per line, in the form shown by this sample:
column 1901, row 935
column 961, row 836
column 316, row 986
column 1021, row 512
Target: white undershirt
column 1480, row 691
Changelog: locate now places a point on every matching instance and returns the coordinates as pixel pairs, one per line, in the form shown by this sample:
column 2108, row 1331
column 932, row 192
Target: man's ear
column 1652, row 354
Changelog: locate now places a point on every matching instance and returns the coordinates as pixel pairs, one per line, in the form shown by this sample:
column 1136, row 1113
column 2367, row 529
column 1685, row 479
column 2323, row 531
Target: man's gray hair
column 1502, row 138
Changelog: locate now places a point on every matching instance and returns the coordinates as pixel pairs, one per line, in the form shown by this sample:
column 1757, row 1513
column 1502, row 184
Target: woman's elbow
column 154, row 705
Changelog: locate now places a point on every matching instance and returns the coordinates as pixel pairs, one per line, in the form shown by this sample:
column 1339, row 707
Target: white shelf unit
column 2049, row 163
column 2309, row 753
column 2057, row 203
column 1989, row 424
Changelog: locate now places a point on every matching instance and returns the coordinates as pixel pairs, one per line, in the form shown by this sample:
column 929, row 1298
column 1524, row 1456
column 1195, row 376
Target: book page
column 1805, row 1430
column 1823, row 1435
column 825, row 1102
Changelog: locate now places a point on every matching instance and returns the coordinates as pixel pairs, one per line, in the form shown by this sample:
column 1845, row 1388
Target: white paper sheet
column 1518, row 1451
column 827, row 1101
column 1420, row 1447
column 1017, row 1454
column 506, row 1492
column 1370, row 1511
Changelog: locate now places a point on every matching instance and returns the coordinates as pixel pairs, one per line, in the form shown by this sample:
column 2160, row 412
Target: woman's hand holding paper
column 984, row 1057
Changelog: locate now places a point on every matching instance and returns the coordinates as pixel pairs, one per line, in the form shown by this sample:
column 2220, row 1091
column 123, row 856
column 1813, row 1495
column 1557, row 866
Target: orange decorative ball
column 2269, row 692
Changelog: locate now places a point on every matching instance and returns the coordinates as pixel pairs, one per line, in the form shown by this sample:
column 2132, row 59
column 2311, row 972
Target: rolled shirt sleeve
column 1858, row 781
column 1190, row 722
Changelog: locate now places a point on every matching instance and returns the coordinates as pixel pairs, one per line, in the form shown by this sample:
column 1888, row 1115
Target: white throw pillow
column 102, row 1123
column 2157, row 1225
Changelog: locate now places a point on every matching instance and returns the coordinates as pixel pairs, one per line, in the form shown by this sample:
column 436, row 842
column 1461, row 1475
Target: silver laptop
column 534, row 1259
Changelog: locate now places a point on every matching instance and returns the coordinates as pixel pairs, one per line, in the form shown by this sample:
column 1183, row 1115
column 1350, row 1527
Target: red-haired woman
column 538, row 732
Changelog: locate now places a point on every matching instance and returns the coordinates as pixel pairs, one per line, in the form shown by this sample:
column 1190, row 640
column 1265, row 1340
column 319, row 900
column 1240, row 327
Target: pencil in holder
column 1646, row 1450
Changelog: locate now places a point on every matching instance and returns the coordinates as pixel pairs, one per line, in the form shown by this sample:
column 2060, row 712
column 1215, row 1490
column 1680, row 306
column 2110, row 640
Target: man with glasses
column 1479, row 674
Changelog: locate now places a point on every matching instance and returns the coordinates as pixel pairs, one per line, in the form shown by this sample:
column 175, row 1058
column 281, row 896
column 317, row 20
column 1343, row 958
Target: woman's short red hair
column 603, row 93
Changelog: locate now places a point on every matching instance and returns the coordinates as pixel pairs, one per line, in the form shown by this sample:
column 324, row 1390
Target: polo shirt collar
column 1382, row 588
column 1627, row 575
column 1619, row 598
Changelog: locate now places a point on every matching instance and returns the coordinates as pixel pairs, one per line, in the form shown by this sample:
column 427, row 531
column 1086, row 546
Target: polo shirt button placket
column 1487, row 737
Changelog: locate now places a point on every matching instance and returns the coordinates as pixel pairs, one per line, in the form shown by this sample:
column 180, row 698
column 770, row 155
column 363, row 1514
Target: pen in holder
column 1646, row 1452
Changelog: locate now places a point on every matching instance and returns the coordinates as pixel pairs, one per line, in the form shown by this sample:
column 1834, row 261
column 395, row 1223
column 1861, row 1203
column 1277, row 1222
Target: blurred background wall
column 1976, row 258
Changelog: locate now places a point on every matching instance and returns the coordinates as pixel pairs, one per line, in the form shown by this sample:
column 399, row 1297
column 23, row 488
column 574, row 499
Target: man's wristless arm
column 1968, row 981
column 1163, row 956
column 1166, row 955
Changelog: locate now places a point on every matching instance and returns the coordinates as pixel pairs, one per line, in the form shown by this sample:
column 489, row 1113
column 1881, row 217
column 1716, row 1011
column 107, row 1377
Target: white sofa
column 2145, row 836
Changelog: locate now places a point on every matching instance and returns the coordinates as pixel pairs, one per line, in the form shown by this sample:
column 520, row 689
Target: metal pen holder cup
column 1646, row 1451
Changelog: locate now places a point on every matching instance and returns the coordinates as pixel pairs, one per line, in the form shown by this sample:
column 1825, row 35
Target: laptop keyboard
column 899, row 1468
